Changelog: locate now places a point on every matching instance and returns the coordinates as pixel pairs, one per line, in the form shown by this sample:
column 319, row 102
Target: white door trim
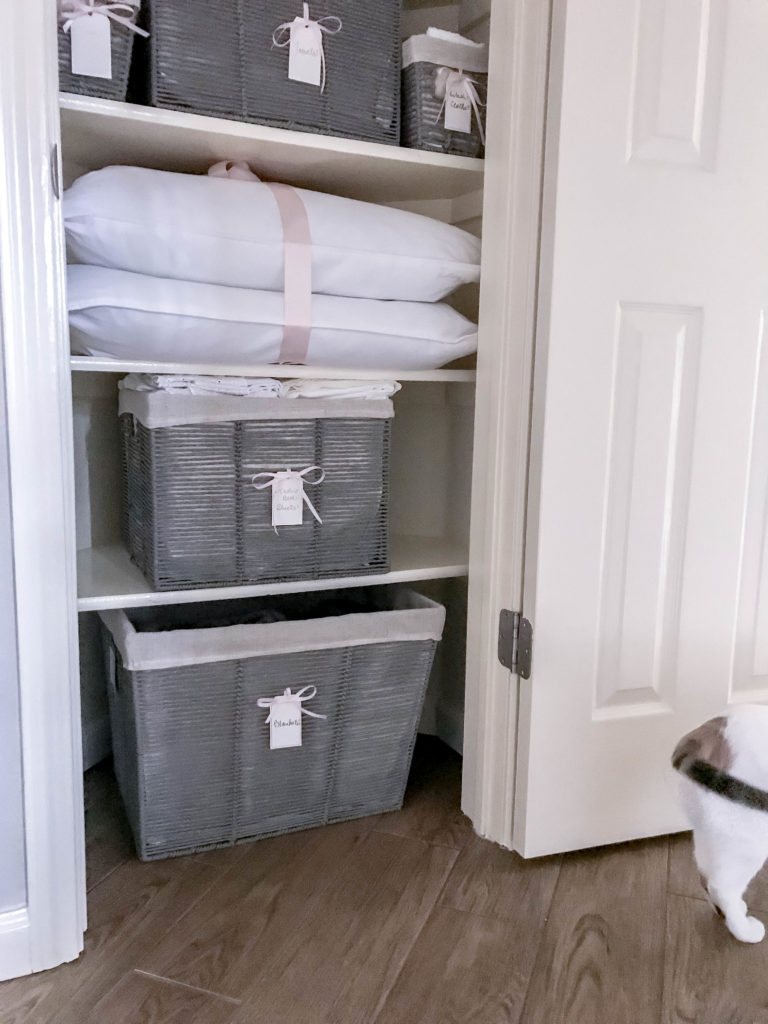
column 15, row 952
column 519, row 51
column 49, row 930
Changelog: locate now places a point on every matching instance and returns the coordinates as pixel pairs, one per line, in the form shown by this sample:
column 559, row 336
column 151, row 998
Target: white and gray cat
column 724, row 781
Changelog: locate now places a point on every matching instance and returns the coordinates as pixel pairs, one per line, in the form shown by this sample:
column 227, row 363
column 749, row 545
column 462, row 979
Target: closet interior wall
column 431, row 460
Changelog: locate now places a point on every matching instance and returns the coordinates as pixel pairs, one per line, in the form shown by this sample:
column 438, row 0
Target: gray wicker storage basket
column 114, row 88
column 191, row 744
column 193, row 517
column 423, row 124
column 219, row 59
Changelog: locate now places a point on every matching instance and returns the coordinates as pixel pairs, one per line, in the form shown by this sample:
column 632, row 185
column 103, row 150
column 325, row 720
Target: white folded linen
column 446, row 49
column 198, row 384
column 373, row 389
column 116, row 314
column 258, row 387
column 453, row 37
column 193, row 227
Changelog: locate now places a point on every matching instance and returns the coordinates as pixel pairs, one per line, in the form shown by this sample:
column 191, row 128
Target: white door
column 42, row 914
column 645, row 575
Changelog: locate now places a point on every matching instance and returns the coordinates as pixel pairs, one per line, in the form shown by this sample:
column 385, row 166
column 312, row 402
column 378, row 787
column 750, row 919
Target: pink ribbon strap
column 297, row 284
column 237, row 169
column 297, row 260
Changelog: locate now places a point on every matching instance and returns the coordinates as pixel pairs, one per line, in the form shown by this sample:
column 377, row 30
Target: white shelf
column 108, row 579
column 95, row 365
column 97, row 132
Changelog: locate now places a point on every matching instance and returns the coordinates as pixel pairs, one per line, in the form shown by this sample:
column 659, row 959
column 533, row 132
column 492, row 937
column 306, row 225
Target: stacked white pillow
column 182, row 267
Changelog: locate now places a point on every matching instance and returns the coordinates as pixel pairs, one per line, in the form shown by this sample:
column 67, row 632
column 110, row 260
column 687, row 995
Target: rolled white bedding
column 121, row 315
column 192, row 227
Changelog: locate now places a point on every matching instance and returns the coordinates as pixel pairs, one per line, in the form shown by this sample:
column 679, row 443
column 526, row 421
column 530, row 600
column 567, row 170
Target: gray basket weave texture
column 423, row 126
column 114, row 88
column 191, row 747
column 218, row 59
column 194, row 519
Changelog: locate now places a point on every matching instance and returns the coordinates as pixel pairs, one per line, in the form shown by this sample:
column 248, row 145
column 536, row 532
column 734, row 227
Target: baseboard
column 97, row 741
column 15, row 952
column 449, row 725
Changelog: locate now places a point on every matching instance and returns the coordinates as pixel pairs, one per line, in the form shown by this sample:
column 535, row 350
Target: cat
column 723, row 768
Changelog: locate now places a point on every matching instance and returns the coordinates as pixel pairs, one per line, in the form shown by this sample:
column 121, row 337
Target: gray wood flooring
column 407, row 918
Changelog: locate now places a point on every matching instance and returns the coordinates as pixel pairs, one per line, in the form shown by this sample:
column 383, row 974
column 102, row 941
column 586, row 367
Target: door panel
column 750, row 679
column 647, row 520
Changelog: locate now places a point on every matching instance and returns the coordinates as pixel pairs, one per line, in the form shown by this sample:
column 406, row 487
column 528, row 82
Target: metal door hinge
column 515, row 642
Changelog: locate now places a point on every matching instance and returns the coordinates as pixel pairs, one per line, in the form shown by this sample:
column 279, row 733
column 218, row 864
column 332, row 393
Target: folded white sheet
column 116, row 314
column 373, row 389
column 448, row 49
column 197, row 384
column 193, row 227
column 453, row 37
column 258, row 387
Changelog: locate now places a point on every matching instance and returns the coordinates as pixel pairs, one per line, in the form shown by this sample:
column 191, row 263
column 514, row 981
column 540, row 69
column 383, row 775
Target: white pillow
column 192, row 227
column 120, row 315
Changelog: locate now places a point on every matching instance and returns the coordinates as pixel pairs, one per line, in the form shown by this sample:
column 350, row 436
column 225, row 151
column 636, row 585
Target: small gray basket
column 193, row 516
column 114, row 88
column 423, row 119
column 219, row 59
column 191, row 745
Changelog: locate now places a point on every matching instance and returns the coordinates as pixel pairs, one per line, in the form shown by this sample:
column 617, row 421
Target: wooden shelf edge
column 98, row 131
column 131, row 590
column 90, row 364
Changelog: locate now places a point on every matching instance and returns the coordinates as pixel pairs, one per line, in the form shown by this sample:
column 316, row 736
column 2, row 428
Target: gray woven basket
column 191, row 747
column 114, row 88
column 219, row 59
column 423, row 124
column 193, row 518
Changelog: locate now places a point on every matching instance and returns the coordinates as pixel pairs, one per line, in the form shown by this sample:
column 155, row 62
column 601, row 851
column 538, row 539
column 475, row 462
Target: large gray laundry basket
column 191, row 744
column 194, row 516
column 121, row 41
column 219, row 59
column 423, row 117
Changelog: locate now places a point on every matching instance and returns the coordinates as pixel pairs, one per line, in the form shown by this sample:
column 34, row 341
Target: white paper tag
column 91, row 46
column 305, row 57
column 458, row 109
column 285, row 725
column 287, row 499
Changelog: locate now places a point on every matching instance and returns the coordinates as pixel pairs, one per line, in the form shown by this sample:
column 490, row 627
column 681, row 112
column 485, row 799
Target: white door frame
column 49, row 929
column 518, row 73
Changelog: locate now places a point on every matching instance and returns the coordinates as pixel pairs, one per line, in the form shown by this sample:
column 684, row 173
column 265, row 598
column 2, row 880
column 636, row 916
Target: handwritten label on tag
column 285, row 725
column 91, row 46
column 287, row 500
column 458, row 109
column 305, row 56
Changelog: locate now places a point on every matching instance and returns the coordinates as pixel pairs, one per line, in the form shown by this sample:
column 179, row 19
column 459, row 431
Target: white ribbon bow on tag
column 284, row 718
column 283, row 35
column 292, row 481
column 286, row 697
column 447, row 79
column 71, row 10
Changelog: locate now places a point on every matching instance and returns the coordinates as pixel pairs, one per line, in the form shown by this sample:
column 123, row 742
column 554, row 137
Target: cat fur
column 723, row 769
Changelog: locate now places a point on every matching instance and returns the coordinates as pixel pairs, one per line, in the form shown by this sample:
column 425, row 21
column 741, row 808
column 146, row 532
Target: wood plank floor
column 406, row 918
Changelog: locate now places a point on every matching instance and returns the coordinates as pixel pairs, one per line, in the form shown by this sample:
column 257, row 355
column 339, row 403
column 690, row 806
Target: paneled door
column 646, row 574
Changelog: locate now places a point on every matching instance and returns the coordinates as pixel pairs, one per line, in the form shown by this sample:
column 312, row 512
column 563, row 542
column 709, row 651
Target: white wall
column 13, row 884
